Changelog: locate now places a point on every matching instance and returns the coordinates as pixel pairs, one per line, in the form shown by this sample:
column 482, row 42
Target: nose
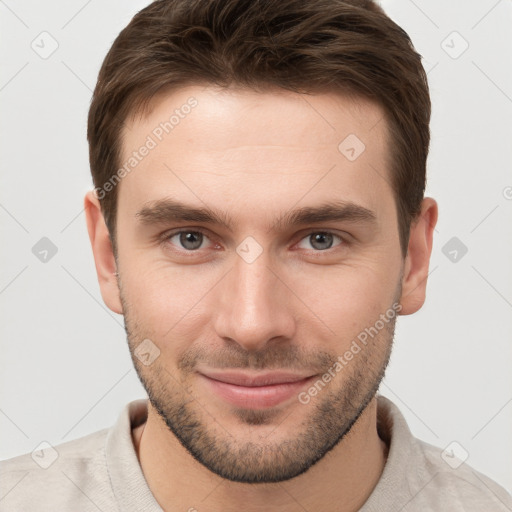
column 254, row 306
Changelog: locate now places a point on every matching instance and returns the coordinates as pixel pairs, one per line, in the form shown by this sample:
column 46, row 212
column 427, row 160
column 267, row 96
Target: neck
column 342, row 480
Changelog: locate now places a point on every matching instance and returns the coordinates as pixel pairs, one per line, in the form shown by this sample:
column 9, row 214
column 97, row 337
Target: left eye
column 190, row 240
column 321, row 240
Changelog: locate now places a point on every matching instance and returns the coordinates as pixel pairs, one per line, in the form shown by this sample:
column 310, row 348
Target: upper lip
column 255, row 379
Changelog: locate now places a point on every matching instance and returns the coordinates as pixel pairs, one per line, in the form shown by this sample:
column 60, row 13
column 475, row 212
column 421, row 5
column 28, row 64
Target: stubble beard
column 334, row 411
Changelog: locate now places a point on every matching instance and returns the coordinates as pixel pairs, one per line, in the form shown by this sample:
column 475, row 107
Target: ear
column 103, row 253
column 414, row 280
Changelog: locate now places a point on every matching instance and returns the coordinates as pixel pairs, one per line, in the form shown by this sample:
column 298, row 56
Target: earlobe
column 103, row 254
column 414, row 280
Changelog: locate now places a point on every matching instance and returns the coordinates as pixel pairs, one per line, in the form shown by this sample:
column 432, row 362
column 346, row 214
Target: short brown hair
column 305, row 46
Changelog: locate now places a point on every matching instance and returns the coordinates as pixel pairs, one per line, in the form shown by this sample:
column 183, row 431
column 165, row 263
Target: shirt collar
column 128, row 482
column 394, row 431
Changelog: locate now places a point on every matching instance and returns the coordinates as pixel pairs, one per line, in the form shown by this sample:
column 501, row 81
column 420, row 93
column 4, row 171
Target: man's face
column 259, row 293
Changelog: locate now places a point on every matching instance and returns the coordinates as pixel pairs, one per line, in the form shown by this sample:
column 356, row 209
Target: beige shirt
column 101, row 472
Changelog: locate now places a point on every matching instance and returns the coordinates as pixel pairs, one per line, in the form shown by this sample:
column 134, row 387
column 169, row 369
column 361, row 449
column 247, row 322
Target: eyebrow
column 171, row 210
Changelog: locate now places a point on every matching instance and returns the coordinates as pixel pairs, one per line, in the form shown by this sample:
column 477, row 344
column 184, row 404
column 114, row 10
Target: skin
column 257, row 156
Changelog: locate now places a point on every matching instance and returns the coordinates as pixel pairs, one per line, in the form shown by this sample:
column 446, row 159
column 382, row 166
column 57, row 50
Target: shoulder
column 447, row 479
column 72, row 473
column 419, row 476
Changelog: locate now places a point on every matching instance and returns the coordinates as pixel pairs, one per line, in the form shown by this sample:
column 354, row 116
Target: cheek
column 167, row 302
column 348, row 299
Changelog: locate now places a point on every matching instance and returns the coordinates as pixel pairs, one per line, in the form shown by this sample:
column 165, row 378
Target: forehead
column 255, row 117
column 254, row 150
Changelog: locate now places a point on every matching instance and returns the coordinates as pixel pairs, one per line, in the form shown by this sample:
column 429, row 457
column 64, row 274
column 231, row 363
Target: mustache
column 275, row 357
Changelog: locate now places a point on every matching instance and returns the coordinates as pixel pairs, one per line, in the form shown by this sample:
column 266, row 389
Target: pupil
column 322, row 238
column 191, row 239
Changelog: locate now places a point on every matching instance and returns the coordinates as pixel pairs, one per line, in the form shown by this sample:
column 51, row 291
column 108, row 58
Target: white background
column 65, row 369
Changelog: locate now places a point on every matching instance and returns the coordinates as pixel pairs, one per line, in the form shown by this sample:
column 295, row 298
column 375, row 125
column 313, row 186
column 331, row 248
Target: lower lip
column 256, row 397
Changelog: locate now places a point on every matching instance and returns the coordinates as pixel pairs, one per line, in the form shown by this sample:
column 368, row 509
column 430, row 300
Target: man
column 259, row 219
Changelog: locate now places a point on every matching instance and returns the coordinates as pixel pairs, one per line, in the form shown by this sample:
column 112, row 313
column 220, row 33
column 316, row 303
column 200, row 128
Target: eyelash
column 343, row 240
